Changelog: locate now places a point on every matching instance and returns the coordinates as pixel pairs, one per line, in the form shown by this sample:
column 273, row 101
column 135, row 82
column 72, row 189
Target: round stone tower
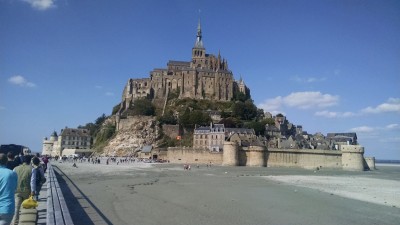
column 230, row 155
column 352, row 157
column 47, row 146
column 256, row 156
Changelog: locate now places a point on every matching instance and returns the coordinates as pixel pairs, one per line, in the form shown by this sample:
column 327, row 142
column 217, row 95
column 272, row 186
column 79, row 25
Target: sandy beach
column 143, row 193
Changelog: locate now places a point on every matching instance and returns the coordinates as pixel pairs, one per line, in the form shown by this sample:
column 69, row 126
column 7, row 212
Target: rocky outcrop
column 133, row 133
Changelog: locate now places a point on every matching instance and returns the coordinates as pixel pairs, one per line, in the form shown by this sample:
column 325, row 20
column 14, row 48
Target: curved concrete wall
column 370, row 161
column 256, row 156
column 230, row 156
column 352, row 157
column 304, row 158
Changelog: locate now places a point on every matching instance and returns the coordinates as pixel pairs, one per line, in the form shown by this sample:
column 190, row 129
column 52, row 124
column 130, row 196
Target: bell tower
column 198, row 51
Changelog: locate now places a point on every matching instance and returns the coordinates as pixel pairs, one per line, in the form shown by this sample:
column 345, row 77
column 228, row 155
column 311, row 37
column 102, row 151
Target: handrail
column 57, row 210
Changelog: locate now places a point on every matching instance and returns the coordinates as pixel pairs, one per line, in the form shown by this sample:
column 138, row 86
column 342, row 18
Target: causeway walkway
column 41, row 209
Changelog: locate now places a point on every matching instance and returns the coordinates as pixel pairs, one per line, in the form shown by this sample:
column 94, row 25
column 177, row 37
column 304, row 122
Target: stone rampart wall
column 304, row 158
column 193, row 156
column 258, row 156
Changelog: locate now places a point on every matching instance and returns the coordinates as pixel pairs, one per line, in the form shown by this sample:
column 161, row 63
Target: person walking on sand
column 24, row 173
column 8, row 185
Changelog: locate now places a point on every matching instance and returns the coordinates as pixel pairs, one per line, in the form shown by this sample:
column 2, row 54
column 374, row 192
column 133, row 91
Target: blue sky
column 330, row 66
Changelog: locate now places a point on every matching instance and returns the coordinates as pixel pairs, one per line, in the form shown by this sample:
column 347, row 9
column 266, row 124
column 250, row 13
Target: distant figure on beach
column 8, row 185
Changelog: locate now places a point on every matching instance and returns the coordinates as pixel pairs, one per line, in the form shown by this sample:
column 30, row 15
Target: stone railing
column 57, row 210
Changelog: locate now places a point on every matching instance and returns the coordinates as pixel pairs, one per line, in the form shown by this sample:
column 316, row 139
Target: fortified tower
column 48, row 144
column 352, row 157
column 256, row 156
column 230, row 156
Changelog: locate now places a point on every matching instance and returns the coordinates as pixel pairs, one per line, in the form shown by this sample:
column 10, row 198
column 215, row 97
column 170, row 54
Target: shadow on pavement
column 82, row 210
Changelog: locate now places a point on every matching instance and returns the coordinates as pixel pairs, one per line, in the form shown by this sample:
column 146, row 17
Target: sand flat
column 379, row 191
column 166, row 194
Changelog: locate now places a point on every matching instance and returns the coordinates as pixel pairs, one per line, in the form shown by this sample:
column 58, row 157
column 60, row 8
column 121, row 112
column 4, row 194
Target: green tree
column 168, row 118
column 144, row 107
column 244, row 110
column 259, row 127
column 231, row 122
column 190, row 119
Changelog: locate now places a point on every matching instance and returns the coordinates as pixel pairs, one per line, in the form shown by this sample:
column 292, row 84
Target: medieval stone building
column 206, row 76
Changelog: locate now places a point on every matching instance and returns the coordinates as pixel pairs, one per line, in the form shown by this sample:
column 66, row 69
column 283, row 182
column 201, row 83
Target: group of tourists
column 20, row 177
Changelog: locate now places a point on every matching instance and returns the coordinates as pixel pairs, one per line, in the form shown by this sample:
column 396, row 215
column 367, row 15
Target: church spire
column 199, row 41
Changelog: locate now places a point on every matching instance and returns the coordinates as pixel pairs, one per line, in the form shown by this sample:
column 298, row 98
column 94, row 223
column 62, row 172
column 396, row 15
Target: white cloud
column 306, row 79
column 305, row 100
column 329, row 114
column 41, row 4
column 393, row 126
column 301, row 100
column 20, row 81
column 391, row 105
column 109, row 93
column 362, row 129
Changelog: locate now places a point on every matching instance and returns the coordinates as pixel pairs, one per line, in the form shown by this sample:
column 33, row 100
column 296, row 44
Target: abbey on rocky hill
column 206, row 76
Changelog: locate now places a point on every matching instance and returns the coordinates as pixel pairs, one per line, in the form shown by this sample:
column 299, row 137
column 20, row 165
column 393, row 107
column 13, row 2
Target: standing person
column 19, row 159
column 8, row 185
column 24, row 173
column 11, row 164
column 37, row 178
column 45, row 161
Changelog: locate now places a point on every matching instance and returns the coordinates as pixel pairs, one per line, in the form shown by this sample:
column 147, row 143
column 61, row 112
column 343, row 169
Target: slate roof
column 75, row 132
column 147, row 148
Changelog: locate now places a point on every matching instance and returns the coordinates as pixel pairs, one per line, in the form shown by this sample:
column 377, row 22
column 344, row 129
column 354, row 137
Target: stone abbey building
column 206, row 76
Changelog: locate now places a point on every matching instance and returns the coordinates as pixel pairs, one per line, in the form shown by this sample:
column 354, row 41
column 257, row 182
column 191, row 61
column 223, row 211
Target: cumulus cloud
column 306, row 79
column 362, row 129
column 391, row 105
column 41, row 4
column 329, row 114
column 393, row 126
column 301, row 100
column 305, row 100
column 20, row 81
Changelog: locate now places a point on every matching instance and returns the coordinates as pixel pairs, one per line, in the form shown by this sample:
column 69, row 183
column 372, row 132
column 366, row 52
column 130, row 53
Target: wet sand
column 142, row 194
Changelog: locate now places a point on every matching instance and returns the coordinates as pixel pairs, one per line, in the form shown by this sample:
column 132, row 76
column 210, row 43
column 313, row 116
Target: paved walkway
column 42, row 208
